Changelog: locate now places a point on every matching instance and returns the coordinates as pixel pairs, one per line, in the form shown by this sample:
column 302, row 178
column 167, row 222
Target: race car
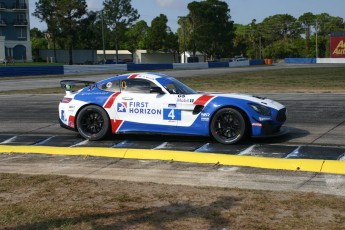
column 157, row 103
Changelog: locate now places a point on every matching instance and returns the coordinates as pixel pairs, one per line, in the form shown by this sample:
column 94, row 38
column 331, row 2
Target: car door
column 144, row 110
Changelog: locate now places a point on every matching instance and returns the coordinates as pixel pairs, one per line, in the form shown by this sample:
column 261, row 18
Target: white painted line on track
column 247, row 151
column 161, row 146
column 45, row 141
column 84, row 142
column 8, row 141
column 294, row 153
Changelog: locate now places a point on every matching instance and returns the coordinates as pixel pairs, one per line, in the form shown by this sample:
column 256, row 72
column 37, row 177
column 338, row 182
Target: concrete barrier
column 85, row 69
column 108, row 68
column 12, row 71
column 195, row 65
column 300, row 60
column 131, row 67
column 330, row 60
column 239, row 63
column 218, row 64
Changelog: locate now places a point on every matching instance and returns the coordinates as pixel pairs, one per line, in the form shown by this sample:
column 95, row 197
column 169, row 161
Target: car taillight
column 66, row 100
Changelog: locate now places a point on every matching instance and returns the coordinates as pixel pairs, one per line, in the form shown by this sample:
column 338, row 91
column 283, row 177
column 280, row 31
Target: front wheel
column 228, row 126
column 93, row 123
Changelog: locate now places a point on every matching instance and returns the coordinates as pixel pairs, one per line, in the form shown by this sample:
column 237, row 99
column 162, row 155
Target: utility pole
column 103, row 38
column 184, row 37
column 316, row 45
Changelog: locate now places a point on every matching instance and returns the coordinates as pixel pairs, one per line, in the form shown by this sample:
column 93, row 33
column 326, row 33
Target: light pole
column 316, row 48
column 103, row 38
column 184, row 36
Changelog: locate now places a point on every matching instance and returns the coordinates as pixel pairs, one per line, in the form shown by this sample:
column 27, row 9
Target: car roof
column 149, row 76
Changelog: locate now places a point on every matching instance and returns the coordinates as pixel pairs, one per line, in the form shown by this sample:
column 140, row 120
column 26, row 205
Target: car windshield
column 176, row 87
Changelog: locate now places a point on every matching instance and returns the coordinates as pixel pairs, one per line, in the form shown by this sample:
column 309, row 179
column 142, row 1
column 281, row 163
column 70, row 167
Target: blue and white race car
column 156, row 103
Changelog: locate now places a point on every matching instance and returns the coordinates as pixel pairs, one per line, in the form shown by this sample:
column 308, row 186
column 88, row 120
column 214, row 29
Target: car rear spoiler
column 69, row 85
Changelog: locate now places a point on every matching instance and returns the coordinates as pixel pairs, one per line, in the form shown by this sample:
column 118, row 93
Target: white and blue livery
column 156, row 103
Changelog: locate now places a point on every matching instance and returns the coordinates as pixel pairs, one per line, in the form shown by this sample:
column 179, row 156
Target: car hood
column 256, row 99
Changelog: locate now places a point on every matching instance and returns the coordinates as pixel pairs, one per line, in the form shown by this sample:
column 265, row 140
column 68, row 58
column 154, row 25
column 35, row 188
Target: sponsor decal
column 264, row 118
column 205, row 116
column 63, row 118
column 172, row 114
column 98, row 93
column 137, row 108
column 180, row 99
column 71, row 121
column 257, row 124
column 122, row 107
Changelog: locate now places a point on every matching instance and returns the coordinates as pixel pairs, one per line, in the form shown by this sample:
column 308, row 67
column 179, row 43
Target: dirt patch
column 59, row 202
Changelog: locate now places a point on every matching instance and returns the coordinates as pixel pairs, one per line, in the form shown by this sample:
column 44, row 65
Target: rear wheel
column 228, row 126
column 93, row 123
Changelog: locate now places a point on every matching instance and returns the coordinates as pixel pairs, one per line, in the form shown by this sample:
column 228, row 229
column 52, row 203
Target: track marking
column 294, row 153
column 307, row 165
column 44, row 141
column 82, row 143
column 8, row 141
column 247, row 151
column 161, row 146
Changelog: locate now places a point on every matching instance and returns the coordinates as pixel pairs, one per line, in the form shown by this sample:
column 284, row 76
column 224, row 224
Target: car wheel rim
column 228, row 126
column 92, row 122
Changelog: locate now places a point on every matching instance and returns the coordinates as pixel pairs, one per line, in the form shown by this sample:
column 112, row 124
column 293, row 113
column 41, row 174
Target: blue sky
column 241, row 11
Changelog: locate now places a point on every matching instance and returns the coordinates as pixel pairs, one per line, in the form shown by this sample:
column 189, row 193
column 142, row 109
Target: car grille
column 281, row 116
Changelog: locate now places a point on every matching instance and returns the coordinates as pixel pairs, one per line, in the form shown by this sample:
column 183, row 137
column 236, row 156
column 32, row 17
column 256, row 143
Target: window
column 21, row 33
column 21, row 17
column 136, row 85
column 112, row 86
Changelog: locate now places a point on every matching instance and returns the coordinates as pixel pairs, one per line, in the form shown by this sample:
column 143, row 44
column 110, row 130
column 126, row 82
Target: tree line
column 207, row 28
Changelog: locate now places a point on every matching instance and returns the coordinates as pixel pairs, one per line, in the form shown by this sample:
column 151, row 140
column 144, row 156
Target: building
column 199, row 57
column 15, row 44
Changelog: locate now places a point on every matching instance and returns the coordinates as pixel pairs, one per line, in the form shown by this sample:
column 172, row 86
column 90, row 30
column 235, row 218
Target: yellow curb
column 336, row 167
column 308, row 165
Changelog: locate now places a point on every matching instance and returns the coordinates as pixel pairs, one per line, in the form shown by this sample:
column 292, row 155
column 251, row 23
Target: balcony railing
column 20, row 6
column 3, row 22
column 2, row 5
column 20, row 22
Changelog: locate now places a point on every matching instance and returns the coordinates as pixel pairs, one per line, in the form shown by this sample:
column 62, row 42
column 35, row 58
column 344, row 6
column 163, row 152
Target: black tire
column 93, row 123
column 228, row 126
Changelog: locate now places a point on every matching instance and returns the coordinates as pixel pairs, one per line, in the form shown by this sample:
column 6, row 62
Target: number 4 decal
column 172, row 114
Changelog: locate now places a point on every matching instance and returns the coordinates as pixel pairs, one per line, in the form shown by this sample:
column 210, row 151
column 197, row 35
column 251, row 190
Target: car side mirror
column 156, row 89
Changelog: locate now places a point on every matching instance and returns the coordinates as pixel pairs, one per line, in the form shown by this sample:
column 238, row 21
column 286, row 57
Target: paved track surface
column 313, row 119
column 316, row 124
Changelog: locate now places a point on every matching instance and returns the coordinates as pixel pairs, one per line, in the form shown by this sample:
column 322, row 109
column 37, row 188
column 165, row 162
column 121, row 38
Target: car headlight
column 260, row 109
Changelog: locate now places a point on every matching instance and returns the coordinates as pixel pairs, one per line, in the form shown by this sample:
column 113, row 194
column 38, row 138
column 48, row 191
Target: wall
column 62, row 56
column 8, row 71
column 314, row 60
column 157, row 58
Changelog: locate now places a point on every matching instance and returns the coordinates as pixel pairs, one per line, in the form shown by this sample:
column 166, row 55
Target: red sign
column 338, row 47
